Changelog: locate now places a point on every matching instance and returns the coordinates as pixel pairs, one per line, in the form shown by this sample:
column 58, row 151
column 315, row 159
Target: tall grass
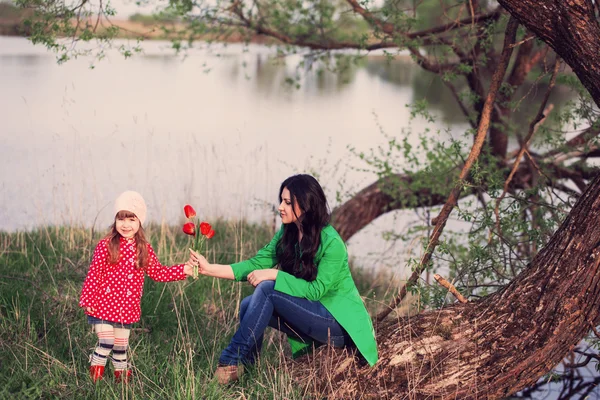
column 45, row 340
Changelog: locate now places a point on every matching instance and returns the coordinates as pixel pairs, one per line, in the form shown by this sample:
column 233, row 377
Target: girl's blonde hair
column 141, row 244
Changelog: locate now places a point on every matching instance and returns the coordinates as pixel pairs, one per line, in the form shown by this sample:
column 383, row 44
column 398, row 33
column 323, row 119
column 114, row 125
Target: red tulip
column 189, row 211
column 205, row 228
column 189, row 228
column 210, row 233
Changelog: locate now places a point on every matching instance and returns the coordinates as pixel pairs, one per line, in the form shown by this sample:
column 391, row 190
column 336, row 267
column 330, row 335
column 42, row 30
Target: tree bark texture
column 570, row 28
column 494, row 347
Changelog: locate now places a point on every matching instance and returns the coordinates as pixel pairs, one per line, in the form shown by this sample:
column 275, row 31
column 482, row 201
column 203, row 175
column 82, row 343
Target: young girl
column 114, row 284
column 311, row 296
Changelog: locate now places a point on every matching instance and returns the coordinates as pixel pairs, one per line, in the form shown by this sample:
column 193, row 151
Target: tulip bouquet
column 200, row 230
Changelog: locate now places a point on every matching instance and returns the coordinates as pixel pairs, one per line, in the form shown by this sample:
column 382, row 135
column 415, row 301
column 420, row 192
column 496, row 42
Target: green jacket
column 333, row 287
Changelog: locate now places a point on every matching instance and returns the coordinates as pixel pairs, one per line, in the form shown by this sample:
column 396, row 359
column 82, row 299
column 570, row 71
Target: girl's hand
column 89, row 309
column 188, row 269
column 259, row 275
column 191, row 261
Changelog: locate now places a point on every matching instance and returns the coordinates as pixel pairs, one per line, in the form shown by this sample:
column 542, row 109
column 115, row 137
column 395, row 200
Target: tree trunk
column 494, row 347
column 570, row 28
column 387, row 194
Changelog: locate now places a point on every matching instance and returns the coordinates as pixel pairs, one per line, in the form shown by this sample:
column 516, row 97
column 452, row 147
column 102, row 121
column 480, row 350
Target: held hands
column 257, row 276
column 198, row 260
column 189, row 266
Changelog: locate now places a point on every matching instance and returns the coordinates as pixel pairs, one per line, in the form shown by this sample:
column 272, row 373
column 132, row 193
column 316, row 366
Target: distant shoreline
column 15, row 26
column 402, row 56
column 141, row 27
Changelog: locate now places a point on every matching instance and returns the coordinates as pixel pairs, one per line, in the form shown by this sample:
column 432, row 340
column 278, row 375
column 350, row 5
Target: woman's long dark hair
column 308, row 194
column 114, row 241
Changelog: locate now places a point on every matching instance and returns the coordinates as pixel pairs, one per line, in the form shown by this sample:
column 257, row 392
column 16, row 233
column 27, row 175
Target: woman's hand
column 259, row 275
column 199, row 260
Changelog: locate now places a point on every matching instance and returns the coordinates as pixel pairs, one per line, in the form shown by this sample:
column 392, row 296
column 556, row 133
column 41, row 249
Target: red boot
column 96, row 372
column 123, row 376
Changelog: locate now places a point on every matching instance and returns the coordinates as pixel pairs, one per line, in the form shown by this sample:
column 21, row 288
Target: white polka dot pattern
column 114, row 291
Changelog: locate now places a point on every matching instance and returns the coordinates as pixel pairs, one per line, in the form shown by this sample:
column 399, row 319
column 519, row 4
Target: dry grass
column 45, row 341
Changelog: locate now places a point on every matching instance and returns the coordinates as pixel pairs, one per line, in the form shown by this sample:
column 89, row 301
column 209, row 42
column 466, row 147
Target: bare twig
column 527, row 39
column 579, row 140
column 576, row 153
column 450, row 288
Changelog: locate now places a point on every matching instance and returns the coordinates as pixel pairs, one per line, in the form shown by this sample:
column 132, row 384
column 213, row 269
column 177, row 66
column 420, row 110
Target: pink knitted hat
column 133, row 202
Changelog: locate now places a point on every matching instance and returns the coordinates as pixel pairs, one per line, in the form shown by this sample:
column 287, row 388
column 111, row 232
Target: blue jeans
column 295, row 316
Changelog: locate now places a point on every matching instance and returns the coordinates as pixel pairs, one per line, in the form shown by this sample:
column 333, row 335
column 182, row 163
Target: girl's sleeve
column 160, row 273
column 264, row 258
column 95, row 275
column 328, row 272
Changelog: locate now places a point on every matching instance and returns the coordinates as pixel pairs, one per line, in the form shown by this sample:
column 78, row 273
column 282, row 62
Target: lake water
column 218, row 129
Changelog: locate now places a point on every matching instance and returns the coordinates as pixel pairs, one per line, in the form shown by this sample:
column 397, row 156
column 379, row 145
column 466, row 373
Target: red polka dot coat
column 114, row 291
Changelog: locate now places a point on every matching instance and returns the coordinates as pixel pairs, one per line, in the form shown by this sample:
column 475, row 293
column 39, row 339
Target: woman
column 310, row 296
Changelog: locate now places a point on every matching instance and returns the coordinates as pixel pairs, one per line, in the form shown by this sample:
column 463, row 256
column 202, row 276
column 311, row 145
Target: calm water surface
column 219, row 129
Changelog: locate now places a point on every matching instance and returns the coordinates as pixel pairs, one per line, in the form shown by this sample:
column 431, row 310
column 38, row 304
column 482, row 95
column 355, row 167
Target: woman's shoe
column 226, row 374
column 123, row 376
column 96, row 372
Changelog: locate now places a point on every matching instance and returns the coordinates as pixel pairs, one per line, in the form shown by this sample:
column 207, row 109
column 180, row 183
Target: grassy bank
column 45, row 340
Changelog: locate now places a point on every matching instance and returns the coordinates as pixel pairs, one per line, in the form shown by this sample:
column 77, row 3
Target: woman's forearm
column 208, row 269
column 219, row 271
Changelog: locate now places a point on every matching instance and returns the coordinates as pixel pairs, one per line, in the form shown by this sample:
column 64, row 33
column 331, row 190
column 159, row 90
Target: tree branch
column 478, row 19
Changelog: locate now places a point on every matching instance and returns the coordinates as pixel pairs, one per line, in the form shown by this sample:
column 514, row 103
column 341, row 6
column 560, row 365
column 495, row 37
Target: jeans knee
column 244, row 306
column 265, row 287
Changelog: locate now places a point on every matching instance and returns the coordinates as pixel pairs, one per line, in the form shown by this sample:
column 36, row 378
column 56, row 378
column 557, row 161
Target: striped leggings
column 111, row 339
